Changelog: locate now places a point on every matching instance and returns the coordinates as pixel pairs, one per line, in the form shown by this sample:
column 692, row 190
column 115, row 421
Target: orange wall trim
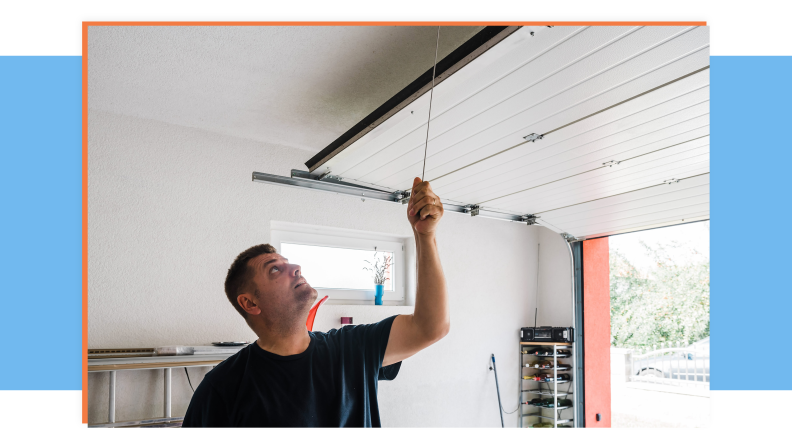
column 596, row 332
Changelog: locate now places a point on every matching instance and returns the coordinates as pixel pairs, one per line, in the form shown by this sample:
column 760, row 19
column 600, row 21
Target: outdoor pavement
column 642, row 405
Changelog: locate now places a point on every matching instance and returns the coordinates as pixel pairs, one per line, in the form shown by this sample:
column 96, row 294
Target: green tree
column 668, row 302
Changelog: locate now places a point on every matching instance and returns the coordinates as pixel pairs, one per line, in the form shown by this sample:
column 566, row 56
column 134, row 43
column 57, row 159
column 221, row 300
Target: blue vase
column 378, row 296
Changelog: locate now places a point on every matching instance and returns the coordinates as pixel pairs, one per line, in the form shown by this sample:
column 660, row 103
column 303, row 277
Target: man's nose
column 297, row 270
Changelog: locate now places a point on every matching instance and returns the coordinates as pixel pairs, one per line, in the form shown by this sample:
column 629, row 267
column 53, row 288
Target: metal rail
column 336, row 185
column 668, row 365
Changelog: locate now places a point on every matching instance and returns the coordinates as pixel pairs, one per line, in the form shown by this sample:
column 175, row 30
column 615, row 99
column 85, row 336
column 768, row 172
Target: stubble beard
column 290, row 318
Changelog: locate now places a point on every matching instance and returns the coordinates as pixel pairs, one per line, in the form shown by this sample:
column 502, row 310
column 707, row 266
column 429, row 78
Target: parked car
column 690, row 363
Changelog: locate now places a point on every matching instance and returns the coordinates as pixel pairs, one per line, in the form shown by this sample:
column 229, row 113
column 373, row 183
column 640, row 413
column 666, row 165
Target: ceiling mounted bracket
column 530, row 219
column 403, row 196
column 611, row 163
column 570, row 238
column 671, row 181
column 472, row 209
column 323, row 176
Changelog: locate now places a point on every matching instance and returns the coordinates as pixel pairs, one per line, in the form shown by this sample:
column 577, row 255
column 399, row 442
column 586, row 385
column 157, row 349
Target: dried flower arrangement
column 379, row 269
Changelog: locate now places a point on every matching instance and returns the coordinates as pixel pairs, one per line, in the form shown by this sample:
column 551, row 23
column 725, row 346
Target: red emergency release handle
column 312, row 314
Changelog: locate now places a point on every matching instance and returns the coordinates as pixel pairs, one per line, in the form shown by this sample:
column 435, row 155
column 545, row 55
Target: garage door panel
column 659, row 223
column 636, row 217
column 526, row 170
column 545, row 203
column 663, row 203
column 518, row 180
column 684, row 189
column 643, row 93
column 569, row 153
column 689, row 212
column 513, row 52
column 477, row 124
column 454, row 101
column 442, row 162
column 631, row 172
column 615, row 175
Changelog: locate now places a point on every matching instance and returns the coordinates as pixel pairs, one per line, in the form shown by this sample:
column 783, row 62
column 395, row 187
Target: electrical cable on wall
column 497, row 388
column 188, row 379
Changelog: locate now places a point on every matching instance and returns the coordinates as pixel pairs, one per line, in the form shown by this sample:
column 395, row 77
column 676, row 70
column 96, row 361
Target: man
column 293, row 377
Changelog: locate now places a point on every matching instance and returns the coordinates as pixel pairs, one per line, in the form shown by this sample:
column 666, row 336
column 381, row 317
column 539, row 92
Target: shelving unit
column 560, row 416
column 144, row 360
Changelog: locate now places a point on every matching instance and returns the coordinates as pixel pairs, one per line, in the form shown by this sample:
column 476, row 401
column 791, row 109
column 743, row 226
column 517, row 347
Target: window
column 333, row 260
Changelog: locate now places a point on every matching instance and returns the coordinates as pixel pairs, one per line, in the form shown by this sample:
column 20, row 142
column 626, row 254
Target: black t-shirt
column 333, row 383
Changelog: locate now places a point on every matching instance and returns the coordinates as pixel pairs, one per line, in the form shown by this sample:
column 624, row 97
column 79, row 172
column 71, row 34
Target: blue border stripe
column 40, row 186
column 751, row 155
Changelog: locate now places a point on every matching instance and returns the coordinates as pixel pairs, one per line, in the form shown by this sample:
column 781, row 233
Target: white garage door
column 623, row 115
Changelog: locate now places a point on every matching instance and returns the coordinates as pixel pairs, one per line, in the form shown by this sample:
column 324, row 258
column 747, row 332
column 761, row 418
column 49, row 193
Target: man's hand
column 424, row 210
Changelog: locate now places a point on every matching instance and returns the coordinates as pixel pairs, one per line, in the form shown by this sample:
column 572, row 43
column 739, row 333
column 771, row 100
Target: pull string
column 431, row 92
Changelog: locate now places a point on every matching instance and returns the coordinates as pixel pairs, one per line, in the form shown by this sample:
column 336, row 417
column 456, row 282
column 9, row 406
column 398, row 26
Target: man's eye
column 274, row 268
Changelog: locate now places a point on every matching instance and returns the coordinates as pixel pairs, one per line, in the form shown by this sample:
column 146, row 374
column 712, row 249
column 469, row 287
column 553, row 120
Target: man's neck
column 284, row 344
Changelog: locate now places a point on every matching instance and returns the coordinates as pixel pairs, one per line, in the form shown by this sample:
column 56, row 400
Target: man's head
column 262, row 285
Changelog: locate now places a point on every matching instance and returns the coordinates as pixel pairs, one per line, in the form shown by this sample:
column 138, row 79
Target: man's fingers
column 419, row 186
column 428, row 211
column 422, row 202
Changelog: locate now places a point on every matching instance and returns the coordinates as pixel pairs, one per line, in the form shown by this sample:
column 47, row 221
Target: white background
column 54, row 28
column 757, row 28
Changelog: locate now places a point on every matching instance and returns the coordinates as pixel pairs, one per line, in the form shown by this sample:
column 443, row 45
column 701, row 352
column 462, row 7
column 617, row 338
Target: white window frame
column 282, row 232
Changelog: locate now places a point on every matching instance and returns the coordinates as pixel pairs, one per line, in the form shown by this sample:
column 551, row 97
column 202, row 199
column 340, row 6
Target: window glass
column 339, row 268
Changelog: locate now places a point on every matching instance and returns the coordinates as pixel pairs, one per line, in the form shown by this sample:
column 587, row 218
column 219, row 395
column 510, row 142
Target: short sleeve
column 377, row 336
column 207, row 408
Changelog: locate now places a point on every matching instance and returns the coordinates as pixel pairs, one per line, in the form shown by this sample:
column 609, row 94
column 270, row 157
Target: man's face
column 282, row 293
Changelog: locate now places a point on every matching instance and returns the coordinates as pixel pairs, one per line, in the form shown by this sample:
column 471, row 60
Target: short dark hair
column 240, row 275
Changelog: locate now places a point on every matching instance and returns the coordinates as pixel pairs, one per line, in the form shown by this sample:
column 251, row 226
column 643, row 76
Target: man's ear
column 248, row 303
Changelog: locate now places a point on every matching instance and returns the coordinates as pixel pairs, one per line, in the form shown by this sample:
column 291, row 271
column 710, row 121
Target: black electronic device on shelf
column 545, row 333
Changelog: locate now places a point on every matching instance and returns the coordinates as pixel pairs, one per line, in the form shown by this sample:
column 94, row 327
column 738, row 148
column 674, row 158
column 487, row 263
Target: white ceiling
column 537, row 84
column 301, row 87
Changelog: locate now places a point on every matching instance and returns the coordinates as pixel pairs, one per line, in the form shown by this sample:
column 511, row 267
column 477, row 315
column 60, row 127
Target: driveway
column 633, row 406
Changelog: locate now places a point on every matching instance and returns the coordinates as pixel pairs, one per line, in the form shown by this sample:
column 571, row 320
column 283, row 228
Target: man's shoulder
column 231, row 366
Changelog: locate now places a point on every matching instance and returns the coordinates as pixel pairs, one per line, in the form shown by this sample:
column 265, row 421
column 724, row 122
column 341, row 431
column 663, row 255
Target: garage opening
column 659, row 327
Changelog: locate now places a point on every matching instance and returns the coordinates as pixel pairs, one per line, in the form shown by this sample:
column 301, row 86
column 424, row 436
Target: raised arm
column 430, row 321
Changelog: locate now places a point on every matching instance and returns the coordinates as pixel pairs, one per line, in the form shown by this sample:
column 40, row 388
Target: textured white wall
column 169, row 209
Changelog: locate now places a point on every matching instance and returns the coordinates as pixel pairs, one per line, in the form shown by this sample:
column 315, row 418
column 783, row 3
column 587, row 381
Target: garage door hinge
column 472, row 209
column 569, row 237
column 403, row 196
column 533, row 137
